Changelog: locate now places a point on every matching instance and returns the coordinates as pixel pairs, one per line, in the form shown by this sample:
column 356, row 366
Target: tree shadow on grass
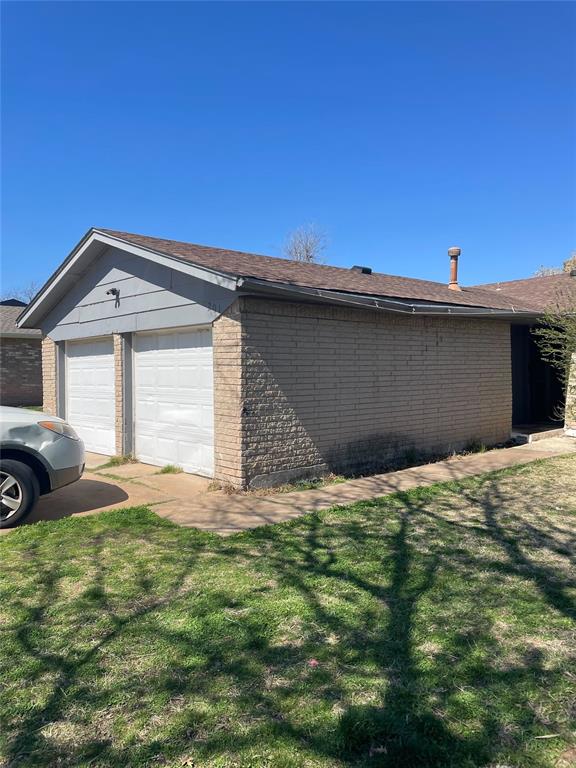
column 65, row 668
column 366, row 579
column 401, row 730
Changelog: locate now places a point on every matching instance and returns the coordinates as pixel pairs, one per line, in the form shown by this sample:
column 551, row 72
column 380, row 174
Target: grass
column 475, row 446
column 170, row 469
column 429, row 629
column 117, row 461
column 309, row 484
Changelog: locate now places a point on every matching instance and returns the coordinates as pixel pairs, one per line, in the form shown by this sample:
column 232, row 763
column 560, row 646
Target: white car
column 38, row 454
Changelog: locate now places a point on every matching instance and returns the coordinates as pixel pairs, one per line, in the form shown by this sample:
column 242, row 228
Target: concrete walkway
column 187, row 500
column 243, row 511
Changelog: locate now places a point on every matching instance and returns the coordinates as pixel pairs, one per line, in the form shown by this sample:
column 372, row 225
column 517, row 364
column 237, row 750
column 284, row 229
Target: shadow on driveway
column 84, row 496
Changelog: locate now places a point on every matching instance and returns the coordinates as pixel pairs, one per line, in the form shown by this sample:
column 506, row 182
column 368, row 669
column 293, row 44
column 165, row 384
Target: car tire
column 19, row 491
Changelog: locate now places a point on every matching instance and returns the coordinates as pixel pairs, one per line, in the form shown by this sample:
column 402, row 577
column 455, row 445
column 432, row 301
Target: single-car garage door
column 173, row 399
column 90, row 392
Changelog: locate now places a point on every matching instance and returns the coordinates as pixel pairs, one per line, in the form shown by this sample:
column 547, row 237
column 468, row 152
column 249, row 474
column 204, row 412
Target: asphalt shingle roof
column 8, row 326
column 285, row 271
column 542, row 292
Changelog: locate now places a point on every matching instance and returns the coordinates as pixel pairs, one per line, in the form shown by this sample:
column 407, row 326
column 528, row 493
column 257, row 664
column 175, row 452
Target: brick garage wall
column 342, row 389
column 228, row 376
column 20, row 371
column 49, row 376
column 118, row 393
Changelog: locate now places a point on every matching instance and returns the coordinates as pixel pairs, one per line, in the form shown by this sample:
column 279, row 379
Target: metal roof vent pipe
column 454, row 253
column 362, row 270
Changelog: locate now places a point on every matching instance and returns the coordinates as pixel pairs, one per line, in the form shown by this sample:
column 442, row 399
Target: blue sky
column 398, row 128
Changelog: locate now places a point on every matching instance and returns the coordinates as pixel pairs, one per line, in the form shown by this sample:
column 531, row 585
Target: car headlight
column 60, row 427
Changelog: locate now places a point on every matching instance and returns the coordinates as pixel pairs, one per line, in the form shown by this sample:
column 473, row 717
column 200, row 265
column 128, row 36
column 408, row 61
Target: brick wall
column 118, row 394
column 228, row 348
column 49, row 376
column 20, row 371
column 335, row 388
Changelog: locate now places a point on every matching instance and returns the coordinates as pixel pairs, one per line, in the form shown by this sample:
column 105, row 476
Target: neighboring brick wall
column 118, row 394
column 49, row 376
column 327, row 387
column 20, row 371
column 227, row 340
column 570, row 414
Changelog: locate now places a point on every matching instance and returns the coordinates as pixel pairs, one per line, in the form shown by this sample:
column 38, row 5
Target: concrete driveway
column 129, row 485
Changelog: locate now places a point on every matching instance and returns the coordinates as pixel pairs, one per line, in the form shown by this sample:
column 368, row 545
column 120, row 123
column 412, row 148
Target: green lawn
column 432, row 628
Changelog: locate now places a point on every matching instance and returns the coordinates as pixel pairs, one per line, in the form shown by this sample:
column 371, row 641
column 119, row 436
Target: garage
column 258, row 371
column 90, row 392
column 174, row 399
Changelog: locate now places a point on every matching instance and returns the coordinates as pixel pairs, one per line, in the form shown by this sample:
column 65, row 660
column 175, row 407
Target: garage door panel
column 101, row 378
column 168, row 450
column 191, row 456
column 92, row 348
column 196, row 453
column 173, row 396
column 90, row 393
column 200, row 377
column 165, row 378
column 145, row 446
column 90, row 410
column 147, row 380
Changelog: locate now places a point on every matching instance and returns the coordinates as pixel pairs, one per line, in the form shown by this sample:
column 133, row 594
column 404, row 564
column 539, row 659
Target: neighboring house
column 20, row 358
column 255, row 370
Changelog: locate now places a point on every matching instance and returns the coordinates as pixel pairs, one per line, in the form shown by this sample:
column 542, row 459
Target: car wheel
column 19, row 492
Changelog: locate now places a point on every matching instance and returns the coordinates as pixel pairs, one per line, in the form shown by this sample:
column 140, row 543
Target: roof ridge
column 326, row 277
column 267, row 256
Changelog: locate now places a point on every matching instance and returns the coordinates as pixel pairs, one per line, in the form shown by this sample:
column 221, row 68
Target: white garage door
column 90, row 392
column 173, row 400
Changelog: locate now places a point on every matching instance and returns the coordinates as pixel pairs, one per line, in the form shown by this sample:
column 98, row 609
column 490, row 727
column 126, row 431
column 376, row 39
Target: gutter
column 254, row 285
